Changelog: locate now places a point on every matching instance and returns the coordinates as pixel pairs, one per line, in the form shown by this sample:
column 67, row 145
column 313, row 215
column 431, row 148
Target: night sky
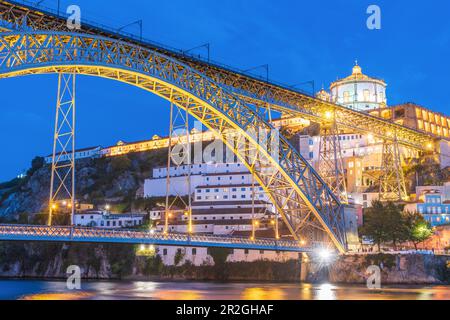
column 300, row 40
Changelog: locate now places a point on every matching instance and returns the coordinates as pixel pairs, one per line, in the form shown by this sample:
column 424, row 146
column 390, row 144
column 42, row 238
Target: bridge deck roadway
column 96, row 235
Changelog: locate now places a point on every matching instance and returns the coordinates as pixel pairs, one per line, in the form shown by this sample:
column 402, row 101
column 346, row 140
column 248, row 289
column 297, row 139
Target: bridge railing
column 122, row 34
column 98, row 233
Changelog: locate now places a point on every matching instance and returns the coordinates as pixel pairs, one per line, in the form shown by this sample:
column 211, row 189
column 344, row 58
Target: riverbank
column 120, row 262
column 405, row 269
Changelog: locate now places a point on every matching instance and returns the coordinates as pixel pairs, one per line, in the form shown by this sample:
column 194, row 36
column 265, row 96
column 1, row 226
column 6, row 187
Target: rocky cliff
column 395, row 269
column 50, row 261
column 113, row 180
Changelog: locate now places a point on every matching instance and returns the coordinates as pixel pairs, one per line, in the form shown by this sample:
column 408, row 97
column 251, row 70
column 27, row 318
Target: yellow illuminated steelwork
column 290, row 181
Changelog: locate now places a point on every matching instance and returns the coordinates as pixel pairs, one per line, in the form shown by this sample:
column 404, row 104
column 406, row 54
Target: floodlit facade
column 359, row 91
column 87, row 153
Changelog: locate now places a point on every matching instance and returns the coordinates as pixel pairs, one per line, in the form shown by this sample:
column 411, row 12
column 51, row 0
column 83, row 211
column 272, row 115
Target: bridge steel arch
column 308, row 207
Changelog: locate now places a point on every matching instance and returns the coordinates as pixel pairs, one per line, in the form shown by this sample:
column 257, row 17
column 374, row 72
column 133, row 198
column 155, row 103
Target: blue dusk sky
column 301, row 40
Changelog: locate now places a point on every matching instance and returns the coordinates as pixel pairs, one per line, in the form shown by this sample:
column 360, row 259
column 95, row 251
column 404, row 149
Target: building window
column 346, row 97
column 366, row 95
column 165, row 252
column 246, row 251
column 194, row 251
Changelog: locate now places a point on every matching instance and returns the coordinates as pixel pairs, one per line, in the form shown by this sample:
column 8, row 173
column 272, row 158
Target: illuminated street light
column 325, row 256
column 328, row 115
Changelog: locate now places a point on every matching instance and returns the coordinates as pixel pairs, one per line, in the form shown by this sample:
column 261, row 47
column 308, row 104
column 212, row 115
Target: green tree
column 36, row 164
column 385, row 223
column 396, row 224
column 179, row 256
column 374, row 226
column 419, row 229
column 219, row 255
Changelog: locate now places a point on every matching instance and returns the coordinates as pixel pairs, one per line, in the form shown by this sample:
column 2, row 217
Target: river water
column 126, row 290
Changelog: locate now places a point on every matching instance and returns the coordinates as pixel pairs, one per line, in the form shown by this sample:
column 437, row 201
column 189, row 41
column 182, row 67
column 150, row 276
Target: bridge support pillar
column 304, row 267
column 179, row 155
column 330, row 166
column 392, row 180
column 62, row 183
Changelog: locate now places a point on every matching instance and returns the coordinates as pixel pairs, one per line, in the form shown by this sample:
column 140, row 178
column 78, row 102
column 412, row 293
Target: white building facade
column 359, row 92
column 101, row 219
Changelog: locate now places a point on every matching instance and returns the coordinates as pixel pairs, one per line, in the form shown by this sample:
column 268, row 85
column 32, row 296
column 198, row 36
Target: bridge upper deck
column 251, row 88
column 97, row 235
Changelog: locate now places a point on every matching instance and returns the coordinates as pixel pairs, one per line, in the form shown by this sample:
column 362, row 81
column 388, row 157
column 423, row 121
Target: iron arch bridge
column 307, row 205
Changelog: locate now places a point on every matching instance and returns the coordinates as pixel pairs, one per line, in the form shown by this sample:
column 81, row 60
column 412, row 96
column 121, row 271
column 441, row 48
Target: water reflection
column 260, row 293
column 326, row 292
column 41, row 290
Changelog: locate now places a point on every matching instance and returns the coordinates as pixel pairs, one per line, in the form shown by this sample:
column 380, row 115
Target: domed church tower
column 359, row 91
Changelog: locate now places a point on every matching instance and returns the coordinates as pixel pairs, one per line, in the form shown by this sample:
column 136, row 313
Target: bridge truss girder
column 304, row 200
column 251, row 89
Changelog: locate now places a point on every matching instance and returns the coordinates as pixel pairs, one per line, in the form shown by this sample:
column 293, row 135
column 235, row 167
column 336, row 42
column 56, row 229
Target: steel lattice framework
column 25, row 16
column 307, row 205
column 330, row 165
column 62, row 182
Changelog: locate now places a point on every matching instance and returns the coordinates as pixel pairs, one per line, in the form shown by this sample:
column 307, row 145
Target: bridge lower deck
column 96, row 235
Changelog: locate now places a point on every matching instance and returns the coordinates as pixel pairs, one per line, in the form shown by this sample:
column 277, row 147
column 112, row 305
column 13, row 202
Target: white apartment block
column 101, row 219
column 209, row 182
